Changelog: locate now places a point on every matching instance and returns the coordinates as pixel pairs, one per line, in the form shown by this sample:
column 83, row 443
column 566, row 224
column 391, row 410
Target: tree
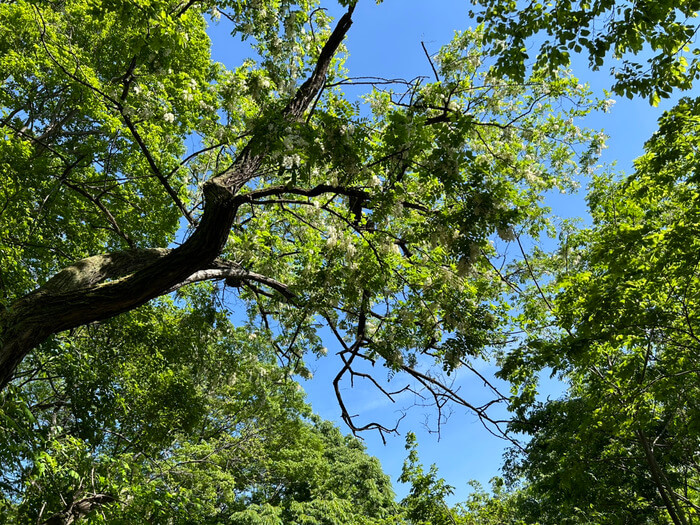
column 581, row 465
column 194, row 424
column 621, row 329
column 627, row 307
column 134, row 166
column 663, row 33
column 425, row 502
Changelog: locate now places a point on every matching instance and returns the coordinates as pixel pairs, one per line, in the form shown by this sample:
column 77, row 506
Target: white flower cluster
column 292, row 140
column 531, row 176
column 305, row 373
column 206, row 107
column 599, row 143
column 188, row 93
column 374, row 181
column 291, row 161
column 608, row 104
column 443, row 235
column 507, row 234
column 258, row 85
column 380, row 103
column 341, row 240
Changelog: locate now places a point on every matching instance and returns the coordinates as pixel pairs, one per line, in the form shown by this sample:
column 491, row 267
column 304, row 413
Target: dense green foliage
column 195, row 423
column 622, row 447
column 426, row 502
column 650, row 45
column 614, row 312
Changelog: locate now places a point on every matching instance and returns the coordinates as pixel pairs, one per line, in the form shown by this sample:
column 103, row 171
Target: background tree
column 622, row 326
column 627, row 307
column 193, row 422
column 426, row 501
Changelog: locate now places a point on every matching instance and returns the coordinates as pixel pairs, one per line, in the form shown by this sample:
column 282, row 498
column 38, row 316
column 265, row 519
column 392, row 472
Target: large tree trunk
column 106, row 285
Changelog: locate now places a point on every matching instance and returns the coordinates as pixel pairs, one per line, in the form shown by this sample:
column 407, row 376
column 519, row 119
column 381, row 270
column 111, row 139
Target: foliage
column 377, row 224
column 194, row 423
column 133, row 167
column 653, row 40
column 426, row 501
column 627, row 308
column 620, row 446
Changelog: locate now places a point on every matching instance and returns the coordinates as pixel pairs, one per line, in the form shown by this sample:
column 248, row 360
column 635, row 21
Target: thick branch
column 309, row 89
column 232, row 272
column 320, row 189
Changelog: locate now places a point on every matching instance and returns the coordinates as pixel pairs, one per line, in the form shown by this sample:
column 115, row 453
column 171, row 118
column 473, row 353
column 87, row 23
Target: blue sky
column 385, row 41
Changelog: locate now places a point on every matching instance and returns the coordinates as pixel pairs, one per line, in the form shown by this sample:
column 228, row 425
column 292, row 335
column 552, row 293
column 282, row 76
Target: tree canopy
column 620, row 446
column 177, row 237
column 195, row 423
column 626, row 306
column 651, row 45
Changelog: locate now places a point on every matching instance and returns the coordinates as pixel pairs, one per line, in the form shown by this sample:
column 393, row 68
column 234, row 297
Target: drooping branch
column 354, row 351
column 443, row 393
column 105, row 286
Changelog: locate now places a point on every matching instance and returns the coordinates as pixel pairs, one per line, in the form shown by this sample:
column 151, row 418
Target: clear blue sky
column 385, row 40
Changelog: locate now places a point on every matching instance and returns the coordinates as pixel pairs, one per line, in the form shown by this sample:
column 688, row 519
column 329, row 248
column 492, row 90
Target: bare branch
column 430, row 61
